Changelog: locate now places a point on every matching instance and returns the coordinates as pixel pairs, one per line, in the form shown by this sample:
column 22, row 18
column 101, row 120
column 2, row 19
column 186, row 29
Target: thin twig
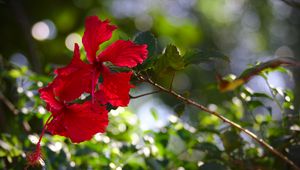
column 9, row 104
column 224, row 119
column 142, row 95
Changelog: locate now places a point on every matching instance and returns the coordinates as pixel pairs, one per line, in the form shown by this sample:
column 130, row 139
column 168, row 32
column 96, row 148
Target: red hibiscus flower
column 79, row 122
column 80, row 77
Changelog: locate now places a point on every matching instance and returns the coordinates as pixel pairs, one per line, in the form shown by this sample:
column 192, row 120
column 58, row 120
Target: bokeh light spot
column 71, row 40
column 43, row 30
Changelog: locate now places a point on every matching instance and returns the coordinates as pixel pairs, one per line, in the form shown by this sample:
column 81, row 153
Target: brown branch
column 224, row 119
column 142, row 95
column 9, row 104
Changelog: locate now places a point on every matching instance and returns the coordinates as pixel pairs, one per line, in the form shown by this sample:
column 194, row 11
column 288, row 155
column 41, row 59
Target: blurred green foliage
column 206, row 39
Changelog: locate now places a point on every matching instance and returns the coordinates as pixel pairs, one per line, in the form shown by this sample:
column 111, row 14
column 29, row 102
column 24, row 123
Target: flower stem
column 43, row 131
column 35, row 157
column 224, row 119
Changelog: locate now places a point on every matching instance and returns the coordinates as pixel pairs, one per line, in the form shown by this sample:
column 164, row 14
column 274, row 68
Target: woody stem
column 145, row 94
column 224, row 119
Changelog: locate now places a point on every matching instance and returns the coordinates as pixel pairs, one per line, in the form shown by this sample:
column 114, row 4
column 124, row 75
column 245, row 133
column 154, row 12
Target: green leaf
column 282, row 70
column 249, row 70
column 15, row 73
column 262, row 95
column 136, row 161
column 253, row 104
column 2, row 153
column 154, row 114
column 290, row 94
column 201, row 56
column 148, row 39
column 151, row 42
column 170, row 62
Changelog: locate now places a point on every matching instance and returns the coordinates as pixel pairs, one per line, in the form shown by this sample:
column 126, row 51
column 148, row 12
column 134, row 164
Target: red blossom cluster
column 78, row 119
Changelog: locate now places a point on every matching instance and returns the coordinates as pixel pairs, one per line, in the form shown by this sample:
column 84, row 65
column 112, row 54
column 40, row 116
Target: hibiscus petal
column 124, row 53
column 75, row 63
column 96, row 32
column 80, row 122
column 46, row 93
column 55, row 126
column 74, row 79
column 71, row 86
column 114, row 89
